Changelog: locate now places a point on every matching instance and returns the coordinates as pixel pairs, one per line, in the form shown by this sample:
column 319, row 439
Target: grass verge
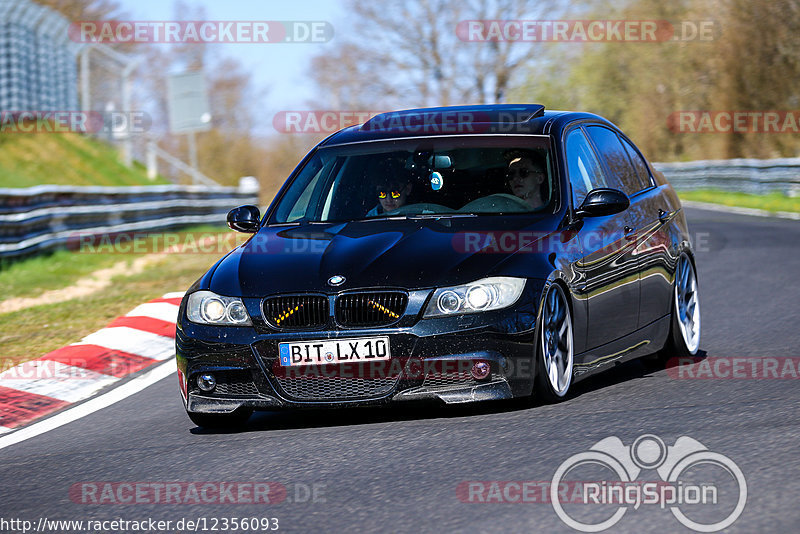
column 32, row 332
column 32, row 276
column 772, row 202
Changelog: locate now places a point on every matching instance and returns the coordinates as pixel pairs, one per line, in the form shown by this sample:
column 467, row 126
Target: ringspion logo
column 690, row 477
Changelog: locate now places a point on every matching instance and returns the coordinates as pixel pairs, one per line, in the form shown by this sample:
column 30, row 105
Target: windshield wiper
column 441, row 215
column 293, row 223
column 386, row 218
column 418, row 216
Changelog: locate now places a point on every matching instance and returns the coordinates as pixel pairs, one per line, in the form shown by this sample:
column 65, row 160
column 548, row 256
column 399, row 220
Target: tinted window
column 583, row 166
column 420, row 177
column 297, row 202
column 612, row 151
column 638, row 163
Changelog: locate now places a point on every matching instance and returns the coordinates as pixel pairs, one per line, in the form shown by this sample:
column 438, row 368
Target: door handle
column 663, row 215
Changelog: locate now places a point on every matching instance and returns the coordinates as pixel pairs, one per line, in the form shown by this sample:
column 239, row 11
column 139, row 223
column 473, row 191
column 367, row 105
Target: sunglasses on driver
column 522, row 173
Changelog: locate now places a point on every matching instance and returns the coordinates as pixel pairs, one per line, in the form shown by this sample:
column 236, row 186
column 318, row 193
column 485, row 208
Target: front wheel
column 221, row 421
column 684, row 335
column 554, row 347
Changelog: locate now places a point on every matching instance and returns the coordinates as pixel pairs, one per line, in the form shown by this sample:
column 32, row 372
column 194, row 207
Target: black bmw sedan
column 449, row 255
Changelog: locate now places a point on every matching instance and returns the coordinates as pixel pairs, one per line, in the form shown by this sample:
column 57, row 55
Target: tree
column 85, row 9
column 409, row 54
column 751, row 63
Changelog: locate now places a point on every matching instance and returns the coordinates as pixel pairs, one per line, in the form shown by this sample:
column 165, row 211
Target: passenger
column 525, row 177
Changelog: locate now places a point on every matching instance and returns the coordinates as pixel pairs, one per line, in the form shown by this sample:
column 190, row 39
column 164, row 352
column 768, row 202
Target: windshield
column 430, row 177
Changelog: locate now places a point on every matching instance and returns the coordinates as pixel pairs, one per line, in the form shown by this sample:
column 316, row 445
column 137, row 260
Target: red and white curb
column 138, row 340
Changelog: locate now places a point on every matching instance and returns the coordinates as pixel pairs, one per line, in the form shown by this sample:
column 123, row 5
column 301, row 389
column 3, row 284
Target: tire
column 221, row 421
column 554, row 347
column 684, row 333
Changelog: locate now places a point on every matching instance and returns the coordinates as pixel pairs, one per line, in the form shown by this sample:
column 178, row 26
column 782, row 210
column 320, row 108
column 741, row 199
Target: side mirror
column 603, row 201
column 244, row 219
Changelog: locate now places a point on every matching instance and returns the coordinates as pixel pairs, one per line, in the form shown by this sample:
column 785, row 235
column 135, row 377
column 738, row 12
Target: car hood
column 378, row 253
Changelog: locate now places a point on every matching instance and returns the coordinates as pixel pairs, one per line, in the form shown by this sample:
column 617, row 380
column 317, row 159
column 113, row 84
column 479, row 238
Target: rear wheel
column 554, row 347
column 684, row 335
column 221, row 420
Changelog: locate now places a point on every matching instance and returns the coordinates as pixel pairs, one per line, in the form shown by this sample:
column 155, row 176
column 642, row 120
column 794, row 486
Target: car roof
column 497, row 119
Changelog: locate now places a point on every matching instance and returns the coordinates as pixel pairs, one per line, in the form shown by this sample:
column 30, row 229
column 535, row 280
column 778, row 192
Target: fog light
column 206, row 382
column 480, row 370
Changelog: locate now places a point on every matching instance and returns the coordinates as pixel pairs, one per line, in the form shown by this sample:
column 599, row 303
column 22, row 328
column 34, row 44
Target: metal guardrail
column 757, row 176
column 48, row 216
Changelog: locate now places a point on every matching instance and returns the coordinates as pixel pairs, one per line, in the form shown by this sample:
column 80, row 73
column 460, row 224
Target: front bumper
column 496, row 390
column 431, row 359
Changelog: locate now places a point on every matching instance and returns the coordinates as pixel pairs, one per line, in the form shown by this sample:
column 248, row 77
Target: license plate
column 366, row 349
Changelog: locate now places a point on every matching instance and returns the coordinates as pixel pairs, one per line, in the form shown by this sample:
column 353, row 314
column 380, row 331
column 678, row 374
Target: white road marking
column 133, row 341
column 163, row 311
column 4, row 429
column 117, row 394
column 55, row 379
column 174, row 295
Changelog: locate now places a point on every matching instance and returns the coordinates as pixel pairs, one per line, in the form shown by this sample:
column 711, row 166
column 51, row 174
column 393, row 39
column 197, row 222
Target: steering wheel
column 422, row 208
column 505, row 200
column 515, row 198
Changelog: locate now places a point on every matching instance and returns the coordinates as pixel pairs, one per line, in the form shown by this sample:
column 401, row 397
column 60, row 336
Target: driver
column 392, row 194
column 525, row 176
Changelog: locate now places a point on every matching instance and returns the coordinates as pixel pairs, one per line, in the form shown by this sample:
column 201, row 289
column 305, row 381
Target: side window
column 301, row 206
column 296, row 201
column 638, row 163
column 616, row 158
column 583, row 167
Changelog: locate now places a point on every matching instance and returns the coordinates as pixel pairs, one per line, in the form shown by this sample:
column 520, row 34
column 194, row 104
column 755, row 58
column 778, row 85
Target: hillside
column 65, row 159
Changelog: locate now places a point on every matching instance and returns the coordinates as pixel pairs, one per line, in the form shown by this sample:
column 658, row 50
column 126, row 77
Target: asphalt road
column 398, row 470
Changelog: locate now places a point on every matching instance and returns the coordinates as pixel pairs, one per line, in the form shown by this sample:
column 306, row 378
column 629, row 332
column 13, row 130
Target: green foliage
column 751, row 62
column 772, row 202
column 64, row 159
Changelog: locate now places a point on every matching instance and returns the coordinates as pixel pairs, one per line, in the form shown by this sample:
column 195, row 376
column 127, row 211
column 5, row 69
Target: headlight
column 205, row 307
column 484, row 295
